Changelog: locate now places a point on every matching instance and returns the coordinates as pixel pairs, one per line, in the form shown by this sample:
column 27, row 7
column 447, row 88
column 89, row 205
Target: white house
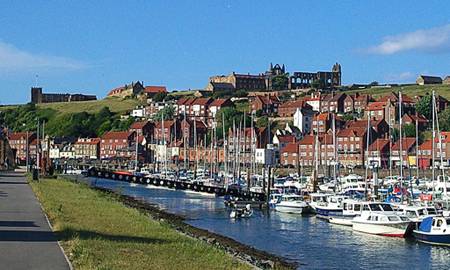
column 264, row 156
column 54, row 152
column 68, row 152
column 303, row 120
column 139, row 112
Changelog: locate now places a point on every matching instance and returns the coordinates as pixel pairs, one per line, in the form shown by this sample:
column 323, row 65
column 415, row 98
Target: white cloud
column 14, row 59
column 433, row 39
column 401, row 77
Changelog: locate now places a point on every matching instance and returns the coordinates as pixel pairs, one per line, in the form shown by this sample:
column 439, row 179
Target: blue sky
column 94, row 46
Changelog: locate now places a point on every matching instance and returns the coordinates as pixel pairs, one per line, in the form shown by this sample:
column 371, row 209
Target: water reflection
column 307, row 240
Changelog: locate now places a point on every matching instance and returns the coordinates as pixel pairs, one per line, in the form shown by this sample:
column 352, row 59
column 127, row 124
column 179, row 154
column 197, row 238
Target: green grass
column 410, row 90
column 242, row 106
column 182, row 93
column 99, row 232
column 115, row 105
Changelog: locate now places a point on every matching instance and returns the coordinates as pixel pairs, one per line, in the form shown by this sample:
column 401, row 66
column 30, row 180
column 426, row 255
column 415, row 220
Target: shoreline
column 255, row 257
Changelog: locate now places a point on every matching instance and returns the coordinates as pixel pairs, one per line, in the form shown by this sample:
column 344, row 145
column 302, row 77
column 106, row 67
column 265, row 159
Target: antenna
column 36, row 77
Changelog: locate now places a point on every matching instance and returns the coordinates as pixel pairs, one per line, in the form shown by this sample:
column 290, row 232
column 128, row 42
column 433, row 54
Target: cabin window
column 404, row 218
column 439, row 223
column 410, row 214
column 392, row 218
column 357, row 207
column 366, row 207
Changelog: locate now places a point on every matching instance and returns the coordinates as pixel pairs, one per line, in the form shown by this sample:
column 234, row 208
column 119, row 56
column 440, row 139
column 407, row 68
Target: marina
column 304, row 239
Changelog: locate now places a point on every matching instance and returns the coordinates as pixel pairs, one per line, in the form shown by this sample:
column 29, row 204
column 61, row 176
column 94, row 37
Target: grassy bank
column 410, row 90
column 114, row 104
column 99, row 232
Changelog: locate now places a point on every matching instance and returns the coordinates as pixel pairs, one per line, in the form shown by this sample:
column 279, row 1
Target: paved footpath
column 26, row 240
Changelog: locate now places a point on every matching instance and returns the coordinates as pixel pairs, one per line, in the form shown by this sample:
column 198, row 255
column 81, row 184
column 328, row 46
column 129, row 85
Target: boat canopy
column 425, row 225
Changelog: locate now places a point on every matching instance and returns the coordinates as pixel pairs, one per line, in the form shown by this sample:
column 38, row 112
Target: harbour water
column 311, row 242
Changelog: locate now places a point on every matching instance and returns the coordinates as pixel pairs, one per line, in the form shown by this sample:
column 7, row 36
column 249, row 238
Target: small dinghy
column 245, row 212
column 434, row 230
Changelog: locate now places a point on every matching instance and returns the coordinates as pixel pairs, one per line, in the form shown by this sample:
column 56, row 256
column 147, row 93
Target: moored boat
column 291, row 204
column 379, row 223
column 434, row 230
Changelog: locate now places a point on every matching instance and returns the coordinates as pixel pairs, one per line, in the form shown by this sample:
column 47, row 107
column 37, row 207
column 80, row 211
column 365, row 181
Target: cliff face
column 7, row 159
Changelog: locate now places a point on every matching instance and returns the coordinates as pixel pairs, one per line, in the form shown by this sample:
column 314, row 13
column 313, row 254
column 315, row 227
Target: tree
column 444, row 120
column 241, row 93
column 280, row 82
column 158, row 97
column 409, row 130
column 230, row 115
column 424, row 105
column 168, row 112
column 374, row 83
column 262, row 122
column 348, row 117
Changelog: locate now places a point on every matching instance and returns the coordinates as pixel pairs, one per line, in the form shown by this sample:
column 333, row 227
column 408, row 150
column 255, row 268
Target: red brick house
column 187, row 131
column 266, row 104
column 381, row 127
column 351, row 144
column 336, row 103
column 288, row 109
column 381, row 110
column 379, row 153
column 360, row 102
column 117, row 144
column 412, row 119
column 408, row 148
column 143, row 128
column 289, row 154
column 348, row 104
column 18, row 142
column 169, row 133
column 306, row 150
column 321, row 122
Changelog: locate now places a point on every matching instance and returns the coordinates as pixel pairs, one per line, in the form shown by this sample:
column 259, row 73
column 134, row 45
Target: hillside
column 410, row 90
column 116, row 105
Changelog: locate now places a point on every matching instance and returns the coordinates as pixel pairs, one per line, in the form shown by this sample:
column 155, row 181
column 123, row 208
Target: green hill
column 410, row 90
column 116, row 105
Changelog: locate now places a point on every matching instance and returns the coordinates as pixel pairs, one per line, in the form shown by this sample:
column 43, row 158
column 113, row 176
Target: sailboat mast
column 400, row 140
column 367, row 155
column 390, row 139
column 417, row 145
column 225, row 156
column 440, row 149
column 334, row 148
column 433, row 136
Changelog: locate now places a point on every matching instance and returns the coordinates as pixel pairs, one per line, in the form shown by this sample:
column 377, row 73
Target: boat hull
column 326, row 213
column 289, row 209
column 379, row 229
column 341, row 221
column 430, row 238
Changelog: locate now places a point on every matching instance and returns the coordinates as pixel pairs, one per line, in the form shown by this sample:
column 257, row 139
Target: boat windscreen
column 380, row 207
column 386, row 207
column 425, row 225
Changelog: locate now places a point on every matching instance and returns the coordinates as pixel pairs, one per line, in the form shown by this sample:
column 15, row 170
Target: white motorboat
column 332, row 207
column 291, row 204
column 379, row 223
column 417, row 213
column 316, row 199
